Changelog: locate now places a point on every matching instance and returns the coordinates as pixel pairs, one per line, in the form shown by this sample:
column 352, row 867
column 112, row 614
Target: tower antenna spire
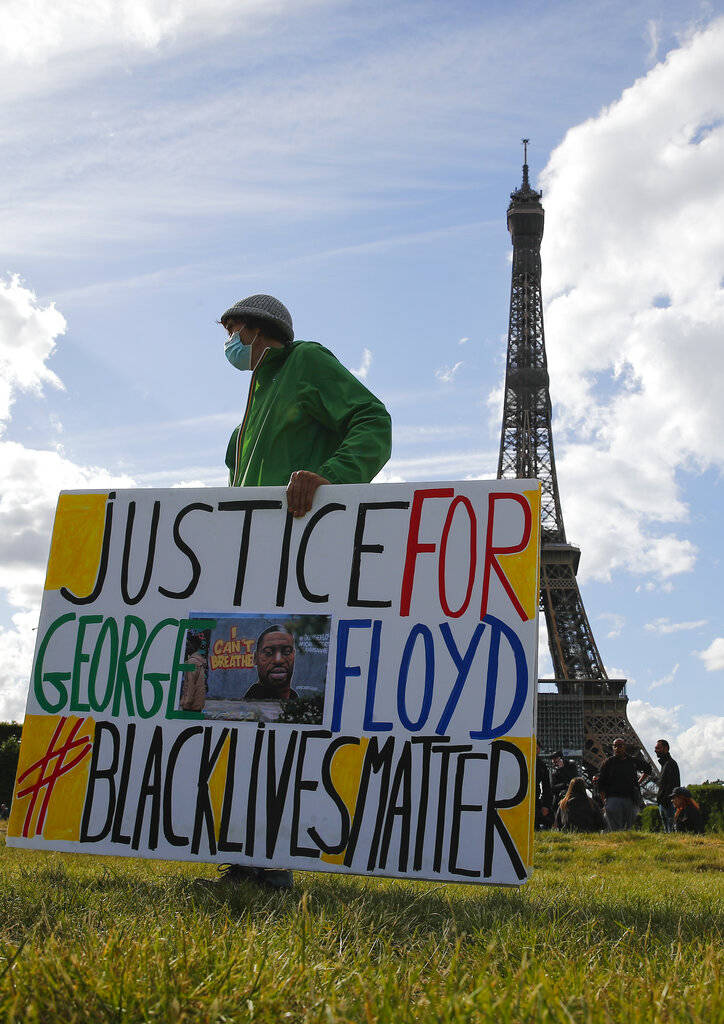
column 525, row 163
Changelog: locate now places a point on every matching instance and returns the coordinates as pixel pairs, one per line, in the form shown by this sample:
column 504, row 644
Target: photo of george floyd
column 256, row 667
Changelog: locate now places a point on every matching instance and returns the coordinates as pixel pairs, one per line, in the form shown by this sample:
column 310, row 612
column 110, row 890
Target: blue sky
column 162, row 159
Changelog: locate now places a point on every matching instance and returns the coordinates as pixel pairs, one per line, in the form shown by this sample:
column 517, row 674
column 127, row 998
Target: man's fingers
column 293, row 493
column 301, row 489
column 300, row 493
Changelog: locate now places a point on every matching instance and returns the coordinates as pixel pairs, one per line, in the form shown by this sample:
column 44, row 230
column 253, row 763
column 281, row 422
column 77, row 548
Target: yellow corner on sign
column 522, row 569
column 217, row 785
column 346, row 770
column 75, row 550
column 520, row 820
column 52, row 777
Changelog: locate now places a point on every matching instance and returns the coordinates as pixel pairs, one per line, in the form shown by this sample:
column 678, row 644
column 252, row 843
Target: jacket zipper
column 242, row 425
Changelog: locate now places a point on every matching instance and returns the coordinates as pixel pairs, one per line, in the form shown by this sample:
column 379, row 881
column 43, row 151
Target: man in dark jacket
column 669, row 779
column 618, row 785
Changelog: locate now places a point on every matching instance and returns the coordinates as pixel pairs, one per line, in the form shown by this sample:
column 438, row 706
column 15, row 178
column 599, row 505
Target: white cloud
column 447, row 373
column 653, row 34
column 426, row 433
column 16, row 655
column 616, row 621
column 463, row 341
column 33, row 33
column 632, row 260
column 664, row 626
column 29, row 482
column 699, row 749
column 364, row 367
column 713, row 656
column 27, row 340
column 665, row 680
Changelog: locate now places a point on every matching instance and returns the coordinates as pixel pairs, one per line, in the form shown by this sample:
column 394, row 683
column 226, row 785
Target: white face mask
column 238, row 354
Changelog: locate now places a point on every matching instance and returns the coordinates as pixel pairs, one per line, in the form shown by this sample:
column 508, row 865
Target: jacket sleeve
column 344, row 406
column 604, row 777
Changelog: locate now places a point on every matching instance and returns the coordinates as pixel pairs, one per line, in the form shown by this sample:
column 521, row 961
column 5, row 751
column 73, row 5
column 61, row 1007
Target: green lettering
column 108, row 629
column 54, row 678
column 123, row 681
column 154, row 678
column 183, row 666
column 78, row 659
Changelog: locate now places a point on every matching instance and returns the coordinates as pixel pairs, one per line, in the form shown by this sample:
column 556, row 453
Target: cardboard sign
column 353, row 691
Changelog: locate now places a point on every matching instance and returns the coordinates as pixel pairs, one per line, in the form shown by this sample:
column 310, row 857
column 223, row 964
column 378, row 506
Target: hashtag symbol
column 51, row 767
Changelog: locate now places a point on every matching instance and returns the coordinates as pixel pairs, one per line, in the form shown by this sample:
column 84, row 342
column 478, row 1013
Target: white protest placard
column 353, row 691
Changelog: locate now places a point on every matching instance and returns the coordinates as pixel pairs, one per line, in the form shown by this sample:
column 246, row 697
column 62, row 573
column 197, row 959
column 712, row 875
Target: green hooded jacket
column 307, row 411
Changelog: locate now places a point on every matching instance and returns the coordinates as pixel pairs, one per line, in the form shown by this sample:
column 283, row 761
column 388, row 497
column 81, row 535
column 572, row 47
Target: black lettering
column 248, row 508
column 150, row 789
column 359, row 548
column 447, row 753
column 457, row 812
column 153, row 534
column 340, row 741
column 304, row 590
column 427, row 743
column 375, row 760
column 493, row 821
column 116, row 835
column 284, row 560
column 253, row 784
column 276, row 790
column 226, row 845
column 204, row 810
column 196, row 506
column 94, row 774
column 173, row 755
column 402, row 780
column 301, row 784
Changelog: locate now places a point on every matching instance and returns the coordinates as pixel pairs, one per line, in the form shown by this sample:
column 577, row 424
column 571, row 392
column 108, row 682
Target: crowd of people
column 572, row 801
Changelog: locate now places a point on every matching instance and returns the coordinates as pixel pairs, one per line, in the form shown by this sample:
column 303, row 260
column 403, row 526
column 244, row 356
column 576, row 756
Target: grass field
column 624, row 927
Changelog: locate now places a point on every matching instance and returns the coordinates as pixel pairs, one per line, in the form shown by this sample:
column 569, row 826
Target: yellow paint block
column 346, row 770
column 520, row 820
column 75, row 550
column 522, row 569
column 217, row 784
column 53, row 765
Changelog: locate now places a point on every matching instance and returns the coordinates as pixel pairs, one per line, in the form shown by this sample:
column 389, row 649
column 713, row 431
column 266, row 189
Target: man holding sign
column 308, row 420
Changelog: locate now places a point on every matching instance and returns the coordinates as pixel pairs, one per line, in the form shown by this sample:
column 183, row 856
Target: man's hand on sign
column 301, row 489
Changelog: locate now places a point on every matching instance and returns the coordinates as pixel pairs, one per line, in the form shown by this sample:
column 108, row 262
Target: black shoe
column 237, row 873
column 275, row 878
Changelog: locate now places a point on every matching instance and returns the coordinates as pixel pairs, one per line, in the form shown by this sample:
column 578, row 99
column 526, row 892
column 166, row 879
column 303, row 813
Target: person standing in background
column 618, row 785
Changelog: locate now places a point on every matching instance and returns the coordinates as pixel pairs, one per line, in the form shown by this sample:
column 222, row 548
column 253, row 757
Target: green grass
column 620, row 928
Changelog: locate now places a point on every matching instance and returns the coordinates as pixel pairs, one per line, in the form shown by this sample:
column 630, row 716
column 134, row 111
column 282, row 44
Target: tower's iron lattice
column 589, row 709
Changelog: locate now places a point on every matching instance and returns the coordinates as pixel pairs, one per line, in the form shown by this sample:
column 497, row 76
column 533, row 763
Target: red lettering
column 459, row 500
column 414, row 547
column 491, row 552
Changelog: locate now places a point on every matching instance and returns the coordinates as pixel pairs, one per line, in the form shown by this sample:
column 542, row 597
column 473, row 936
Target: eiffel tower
column 588, row 710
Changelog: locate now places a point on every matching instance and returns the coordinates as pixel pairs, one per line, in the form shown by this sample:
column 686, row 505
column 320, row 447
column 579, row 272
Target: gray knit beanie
column 263, row 307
